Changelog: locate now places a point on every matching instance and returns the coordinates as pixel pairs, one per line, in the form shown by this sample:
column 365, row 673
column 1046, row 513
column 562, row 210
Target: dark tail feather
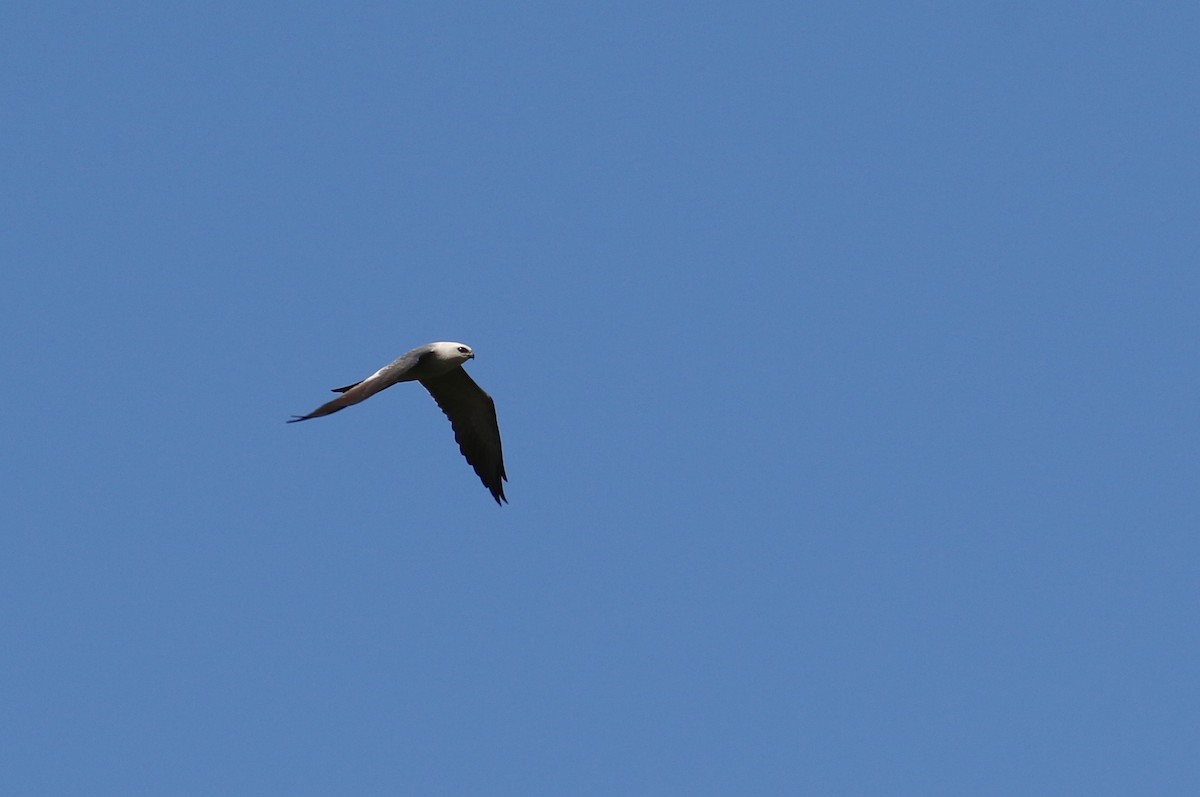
column 347, row 387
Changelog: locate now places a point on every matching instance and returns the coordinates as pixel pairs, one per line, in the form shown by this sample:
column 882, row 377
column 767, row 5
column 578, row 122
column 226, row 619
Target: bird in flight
column 472, row 413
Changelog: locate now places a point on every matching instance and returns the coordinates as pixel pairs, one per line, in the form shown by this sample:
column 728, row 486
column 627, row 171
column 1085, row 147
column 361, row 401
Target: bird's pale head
column 450, row 351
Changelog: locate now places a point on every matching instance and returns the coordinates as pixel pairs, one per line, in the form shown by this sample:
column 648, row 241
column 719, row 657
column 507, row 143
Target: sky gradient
column 845, row 357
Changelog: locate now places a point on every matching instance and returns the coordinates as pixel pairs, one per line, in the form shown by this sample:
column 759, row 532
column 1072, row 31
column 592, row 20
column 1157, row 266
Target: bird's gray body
column 472, row 413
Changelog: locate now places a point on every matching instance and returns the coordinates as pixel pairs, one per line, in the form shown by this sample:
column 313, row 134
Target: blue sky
column 845, row 357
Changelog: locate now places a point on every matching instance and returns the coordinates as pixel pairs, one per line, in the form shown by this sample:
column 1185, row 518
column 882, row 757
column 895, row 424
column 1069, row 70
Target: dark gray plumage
column 472, row 413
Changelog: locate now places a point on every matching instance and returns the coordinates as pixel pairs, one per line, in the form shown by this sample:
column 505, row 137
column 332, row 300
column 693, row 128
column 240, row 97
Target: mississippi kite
column 472, row 413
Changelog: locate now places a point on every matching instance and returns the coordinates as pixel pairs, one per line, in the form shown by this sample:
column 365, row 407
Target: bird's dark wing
column 472, row 413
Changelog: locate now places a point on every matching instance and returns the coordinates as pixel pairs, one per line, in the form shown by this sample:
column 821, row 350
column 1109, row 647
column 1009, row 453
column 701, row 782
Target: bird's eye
column 462, row 349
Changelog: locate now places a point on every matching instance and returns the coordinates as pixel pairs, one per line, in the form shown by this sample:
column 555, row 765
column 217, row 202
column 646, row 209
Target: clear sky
column 845, row 356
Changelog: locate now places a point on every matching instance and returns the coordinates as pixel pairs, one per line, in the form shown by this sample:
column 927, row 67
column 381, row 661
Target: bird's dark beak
column 471, row 356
